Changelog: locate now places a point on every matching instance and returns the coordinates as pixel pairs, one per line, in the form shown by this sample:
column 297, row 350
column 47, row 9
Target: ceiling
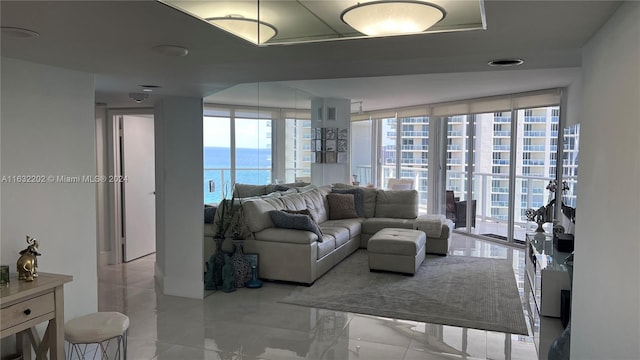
column 314, row 20
column 113, row 40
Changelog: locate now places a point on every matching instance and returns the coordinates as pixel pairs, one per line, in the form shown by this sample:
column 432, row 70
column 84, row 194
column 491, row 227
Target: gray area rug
column 461, row 291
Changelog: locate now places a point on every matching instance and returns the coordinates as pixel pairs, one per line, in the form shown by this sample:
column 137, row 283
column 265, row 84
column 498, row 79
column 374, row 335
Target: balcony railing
column 415, row 133
column 535, row 133
column 533, row 162
column 533, row 147
column 529, row 191
column 415, row 147
column 535, row 119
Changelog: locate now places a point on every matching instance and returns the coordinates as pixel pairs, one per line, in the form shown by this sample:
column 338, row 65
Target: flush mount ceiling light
column 171, row 50
column 20, row 33
column 258, row 32
column 379, row 18
column 506, row 62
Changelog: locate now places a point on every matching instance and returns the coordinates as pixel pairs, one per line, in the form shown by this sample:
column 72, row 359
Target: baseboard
column 159, row 277
column 105, row 258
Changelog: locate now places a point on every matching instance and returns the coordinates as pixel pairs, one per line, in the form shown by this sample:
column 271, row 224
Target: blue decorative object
column 254, row 283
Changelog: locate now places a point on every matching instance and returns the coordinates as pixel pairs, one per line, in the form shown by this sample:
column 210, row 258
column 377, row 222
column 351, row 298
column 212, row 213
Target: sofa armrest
column 286, row 236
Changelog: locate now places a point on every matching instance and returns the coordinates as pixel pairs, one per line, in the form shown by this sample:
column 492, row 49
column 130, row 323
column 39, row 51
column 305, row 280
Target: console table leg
column 23, row 344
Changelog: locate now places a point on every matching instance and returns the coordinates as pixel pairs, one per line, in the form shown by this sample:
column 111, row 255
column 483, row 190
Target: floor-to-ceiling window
column 388, row 150
column 509, row 151
column 252, row 150
column 237, row 149
column 404, row 150
column 297, row 150
column 362, row 140
column 414, row 158
column 217, row 155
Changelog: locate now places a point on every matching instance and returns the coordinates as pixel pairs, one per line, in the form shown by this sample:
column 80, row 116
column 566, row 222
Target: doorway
column 132, row 185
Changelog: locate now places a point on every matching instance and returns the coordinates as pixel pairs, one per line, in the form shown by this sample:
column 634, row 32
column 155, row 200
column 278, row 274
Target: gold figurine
column 28, row 262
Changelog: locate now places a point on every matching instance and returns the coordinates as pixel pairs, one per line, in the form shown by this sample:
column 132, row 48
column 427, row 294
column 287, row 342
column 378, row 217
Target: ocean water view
column 253, row 166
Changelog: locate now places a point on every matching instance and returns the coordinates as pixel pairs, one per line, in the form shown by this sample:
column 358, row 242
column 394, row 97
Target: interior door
column 138, row 187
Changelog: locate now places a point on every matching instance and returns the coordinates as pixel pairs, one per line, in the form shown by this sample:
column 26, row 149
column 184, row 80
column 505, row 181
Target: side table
column 23, row 305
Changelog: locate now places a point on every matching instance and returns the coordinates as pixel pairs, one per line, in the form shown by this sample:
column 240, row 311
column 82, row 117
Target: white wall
column 606, row 298
column 48, row 128
column 179, row 197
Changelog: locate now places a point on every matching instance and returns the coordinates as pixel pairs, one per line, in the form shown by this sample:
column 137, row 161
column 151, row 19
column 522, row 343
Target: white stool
column 98, row 328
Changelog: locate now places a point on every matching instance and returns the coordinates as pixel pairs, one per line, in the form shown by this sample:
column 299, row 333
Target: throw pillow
column 285, row 220
column 341, row 206
column 358, row 197
column 303, row 212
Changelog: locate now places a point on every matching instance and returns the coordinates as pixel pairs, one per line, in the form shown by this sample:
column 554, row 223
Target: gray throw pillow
column 341, row 206
column 303, row 212
column 285, row 220
column 358, row 198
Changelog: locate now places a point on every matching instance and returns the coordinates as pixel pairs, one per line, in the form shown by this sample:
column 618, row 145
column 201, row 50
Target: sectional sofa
column 346, row 217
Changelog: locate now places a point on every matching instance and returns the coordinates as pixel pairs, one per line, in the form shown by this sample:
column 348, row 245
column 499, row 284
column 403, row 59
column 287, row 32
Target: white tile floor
column 251, row 324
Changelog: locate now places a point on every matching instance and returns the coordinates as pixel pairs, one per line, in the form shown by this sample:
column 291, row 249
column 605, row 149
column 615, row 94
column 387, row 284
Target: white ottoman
column 397, row 250
column 107, row 330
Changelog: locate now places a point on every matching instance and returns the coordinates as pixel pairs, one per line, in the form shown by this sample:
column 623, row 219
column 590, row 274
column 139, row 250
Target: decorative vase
column 218, row 263
column 241, row 267
column 228, row 281
column 254, row 282
column 540, row 229
column 228, row 246
column 210, row 275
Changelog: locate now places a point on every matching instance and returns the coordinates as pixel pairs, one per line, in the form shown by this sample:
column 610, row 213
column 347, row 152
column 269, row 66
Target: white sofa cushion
column 400, row 204
column 256, row 212
column 293, row 202
column 316, row 204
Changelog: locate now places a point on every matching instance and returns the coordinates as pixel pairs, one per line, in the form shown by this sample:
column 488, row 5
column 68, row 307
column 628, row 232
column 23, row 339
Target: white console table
column 546, row 276
column 546, row 272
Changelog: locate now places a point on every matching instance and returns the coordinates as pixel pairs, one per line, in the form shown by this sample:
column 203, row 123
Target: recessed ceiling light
column 171, row 50
column 149, row 88
column 20, row 33
column 506, row 62
column 138, row 97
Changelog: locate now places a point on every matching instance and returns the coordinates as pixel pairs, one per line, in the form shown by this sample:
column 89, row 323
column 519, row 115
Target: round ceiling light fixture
column 379, row 18
column 506, row 62
column 255, row 31
column 171, row 50
column 18, row 33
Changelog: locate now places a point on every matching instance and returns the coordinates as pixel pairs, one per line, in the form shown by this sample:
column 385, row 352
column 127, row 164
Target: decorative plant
column 227, row 210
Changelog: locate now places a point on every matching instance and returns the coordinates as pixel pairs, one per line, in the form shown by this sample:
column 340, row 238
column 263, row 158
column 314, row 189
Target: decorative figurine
column 28, row 262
